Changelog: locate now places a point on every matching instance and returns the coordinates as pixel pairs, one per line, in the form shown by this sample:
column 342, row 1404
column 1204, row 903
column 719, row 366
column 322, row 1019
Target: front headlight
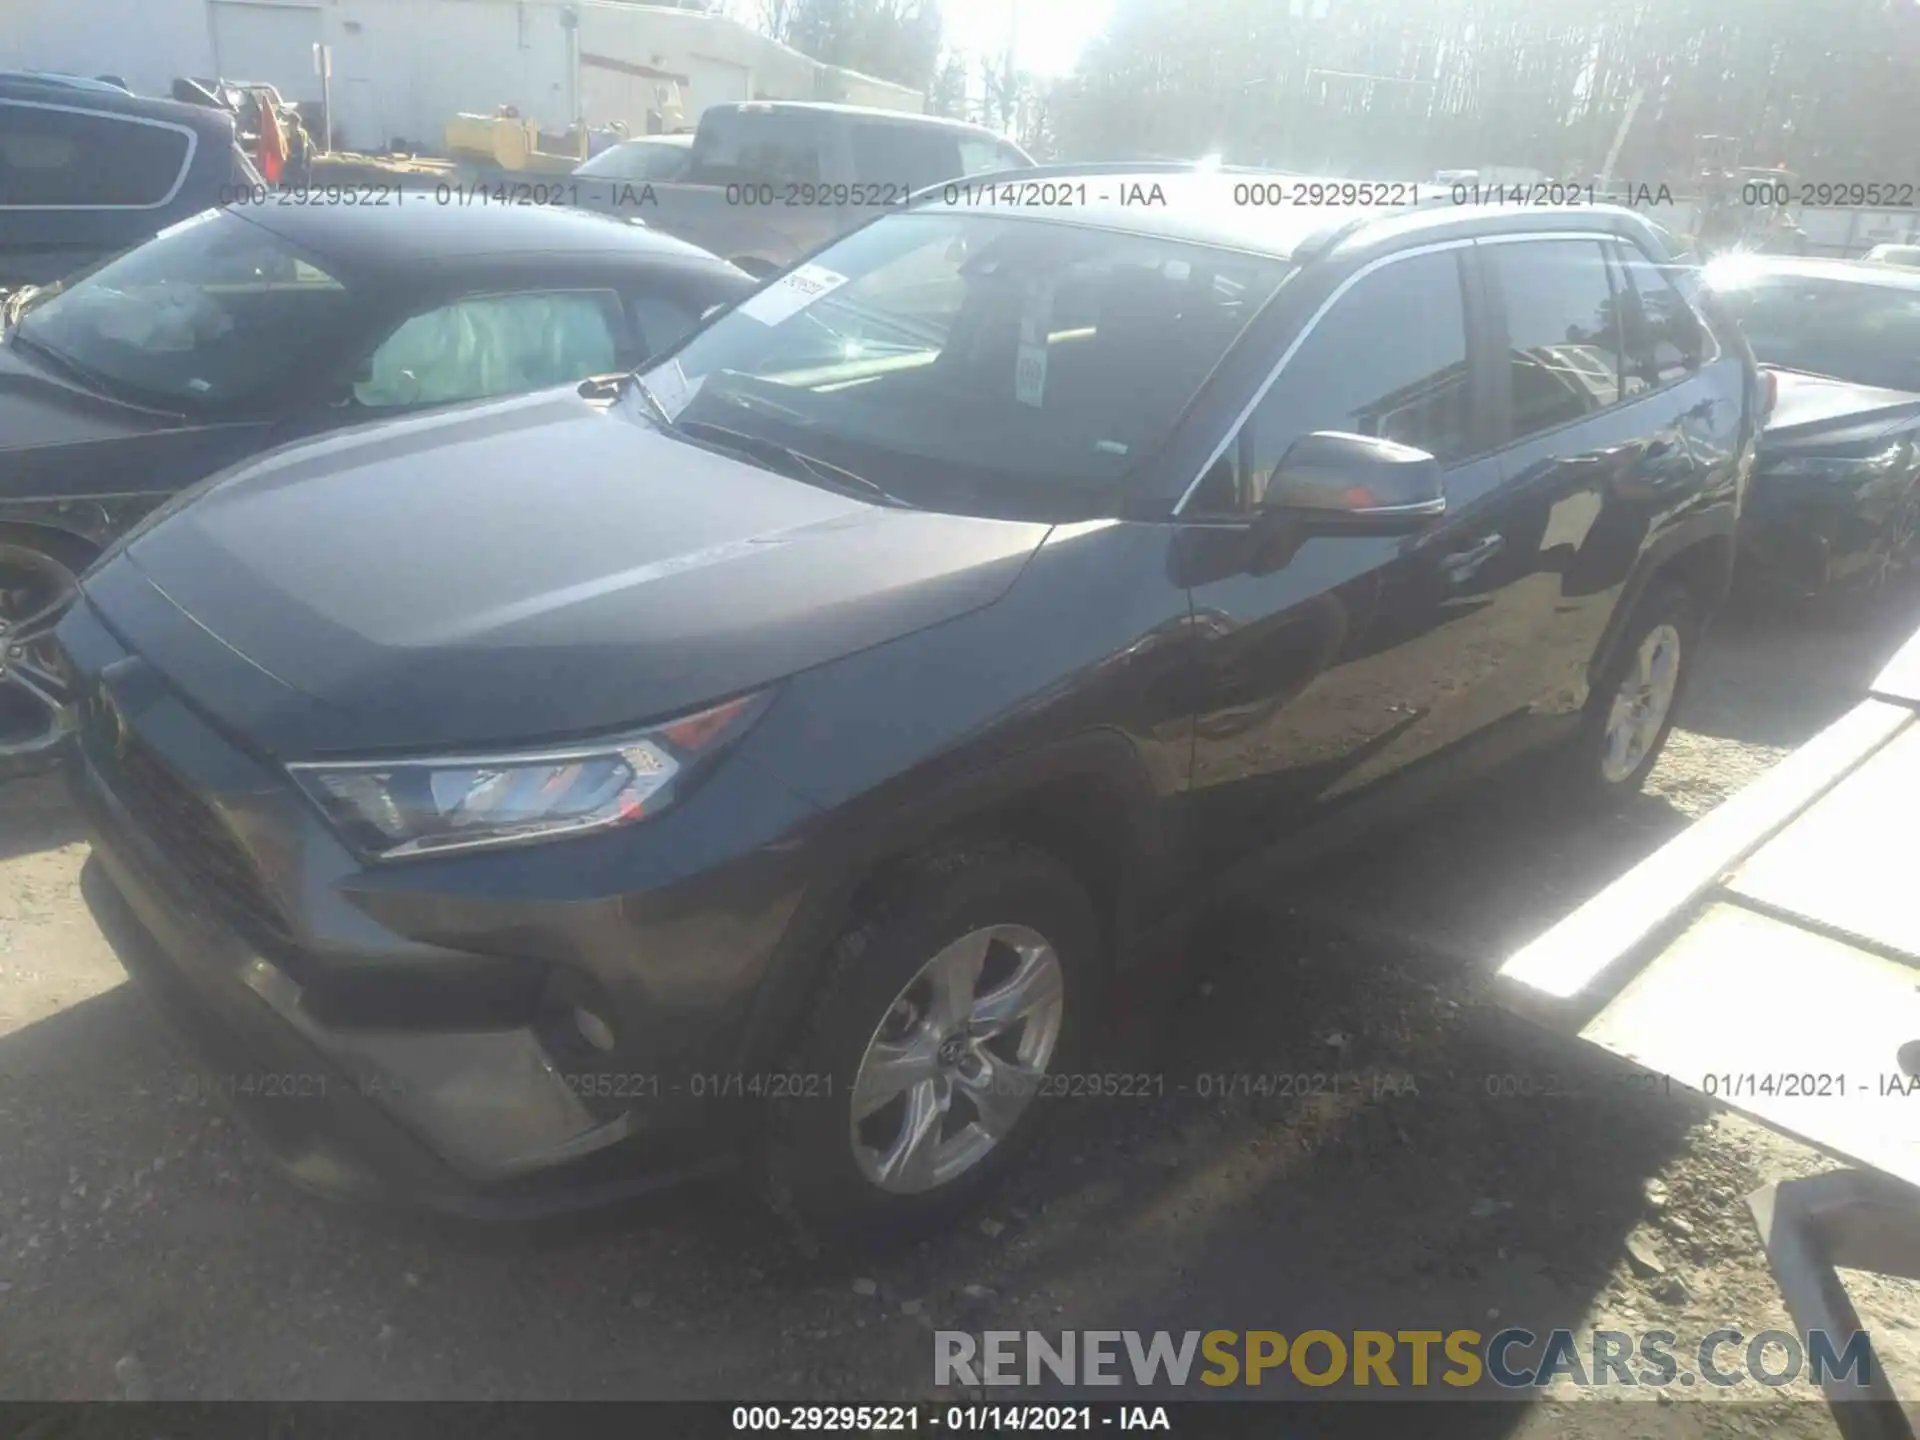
column 1833, row 467
column 391, row 809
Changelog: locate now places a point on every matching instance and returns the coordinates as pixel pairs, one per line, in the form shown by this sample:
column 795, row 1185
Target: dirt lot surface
column 146, row 1249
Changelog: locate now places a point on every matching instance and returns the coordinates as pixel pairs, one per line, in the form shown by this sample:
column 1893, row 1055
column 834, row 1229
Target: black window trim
column 180, row 180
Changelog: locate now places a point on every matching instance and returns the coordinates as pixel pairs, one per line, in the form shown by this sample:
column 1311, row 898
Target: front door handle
column 1462, row 564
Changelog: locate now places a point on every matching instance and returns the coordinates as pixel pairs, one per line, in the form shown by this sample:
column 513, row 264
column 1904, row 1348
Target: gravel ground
column 146, row 1249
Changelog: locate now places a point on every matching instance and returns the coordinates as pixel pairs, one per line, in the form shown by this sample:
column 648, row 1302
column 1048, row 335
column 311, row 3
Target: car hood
column 1817, row 410
column 39, row 409
column 542, row 567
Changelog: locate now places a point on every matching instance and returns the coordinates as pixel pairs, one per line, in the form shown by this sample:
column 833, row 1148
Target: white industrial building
column 402, row 68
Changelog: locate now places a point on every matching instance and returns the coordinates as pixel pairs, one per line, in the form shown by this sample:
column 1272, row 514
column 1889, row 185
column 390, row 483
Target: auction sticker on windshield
column 791, row 294
column 1030, row 365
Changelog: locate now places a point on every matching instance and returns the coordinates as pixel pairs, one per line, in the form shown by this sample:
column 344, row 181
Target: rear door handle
column 1462, row 563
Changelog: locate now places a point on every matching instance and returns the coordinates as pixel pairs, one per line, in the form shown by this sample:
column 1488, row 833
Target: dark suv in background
column 87, row 170
column 794, row 767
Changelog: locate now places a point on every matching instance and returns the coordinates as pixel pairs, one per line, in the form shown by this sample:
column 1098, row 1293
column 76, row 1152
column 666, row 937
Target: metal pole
column 323, row 62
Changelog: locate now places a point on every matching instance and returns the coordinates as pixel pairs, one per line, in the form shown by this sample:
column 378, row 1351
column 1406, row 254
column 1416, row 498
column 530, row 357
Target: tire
column 34, row 565
column 821, row 1169
column 1592, row 770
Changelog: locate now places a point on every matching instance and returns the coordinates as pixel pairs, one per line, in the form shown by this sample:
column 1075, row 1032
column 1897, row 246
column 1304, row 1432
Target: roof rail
column 1441, row 198
column 1428, row 197
column 1062, row 169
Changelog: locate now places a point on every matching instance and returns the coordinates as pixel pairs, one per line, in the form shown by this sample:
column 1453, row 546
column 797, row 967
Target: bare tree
column 1405, row 86
column 948, row 95
column 775, row 18
column 897, row 40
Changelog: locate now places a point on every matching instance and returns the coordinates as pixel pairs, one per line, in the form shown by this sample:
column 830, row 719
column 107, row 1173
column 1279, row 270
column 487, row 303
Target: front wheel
column 1631, row 710
column 36, row 588
column 942, row 1019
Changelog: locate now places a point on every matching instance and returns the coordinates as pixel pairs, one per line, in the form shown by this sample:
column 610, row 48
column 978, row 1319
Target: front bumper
column 379, row 1065
column 1804, row 535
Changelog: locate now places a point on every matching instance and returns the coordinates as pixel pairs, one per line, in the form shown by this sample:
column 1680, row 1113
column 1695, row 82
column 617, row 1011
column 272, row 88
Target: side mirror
column 711, row 311
column 1336, row 483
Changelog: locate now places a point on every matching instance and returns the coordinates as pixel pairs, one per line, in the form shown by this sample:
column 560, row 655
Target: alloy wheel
column 1641, row 704
column 35, row 591
column 959, row 1056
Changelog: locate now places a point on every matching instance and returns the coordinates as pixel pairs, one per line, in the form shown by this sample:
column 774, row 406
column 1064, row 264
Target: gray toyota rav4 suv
column 785, row 751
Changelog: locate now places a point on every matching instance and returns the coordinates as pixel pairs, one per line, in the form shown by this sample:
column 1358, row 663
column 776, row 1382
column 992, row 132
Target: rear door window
column 1564, row 353
column 57, row 156
column 1664, row 338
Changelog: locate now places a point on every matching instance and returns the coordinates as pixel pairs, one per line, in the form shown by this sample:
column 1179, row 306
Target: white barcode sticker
column 1030, row 375
column 1030, row 365
column 791, row 294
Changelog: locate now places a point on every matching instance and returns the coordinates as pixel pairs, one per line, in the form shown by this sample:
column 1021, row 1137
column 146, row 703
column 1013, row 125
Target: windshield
column 973, row 362
column 639, row 160
column 210, row 314
column 1865, row 334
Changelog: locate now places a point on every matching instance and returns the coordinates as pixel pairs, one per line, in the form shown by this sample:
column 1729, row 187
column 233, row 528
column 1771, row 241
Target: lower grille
column 187, row 829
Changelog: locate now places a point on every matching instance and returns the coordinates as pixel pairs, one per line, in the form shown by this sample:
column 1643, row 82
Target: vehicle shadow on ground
column 1776, row 675
column 35, row 815
column 1446, row 1166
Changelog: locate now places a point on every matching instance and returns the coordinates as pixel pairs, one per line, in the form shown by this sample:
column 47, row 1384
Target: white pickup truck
column 768, row 181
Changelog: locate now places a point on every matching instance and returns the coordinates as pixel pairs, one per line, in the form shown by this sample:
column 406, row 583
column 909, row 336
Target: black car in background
column 87, row 170
column 1836, row 487
column 790, row 755
column 245, row 328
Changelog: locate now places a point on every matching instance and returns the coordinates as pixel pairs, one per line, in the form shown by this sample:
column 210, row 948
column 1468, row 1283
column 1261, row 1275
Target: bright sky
column 1049, row 33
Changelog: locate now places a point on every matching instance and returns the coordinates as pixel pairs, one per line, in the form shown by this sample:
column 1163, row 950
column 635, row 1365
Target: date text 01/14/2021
column 1805, row 1085
column 868, row 1419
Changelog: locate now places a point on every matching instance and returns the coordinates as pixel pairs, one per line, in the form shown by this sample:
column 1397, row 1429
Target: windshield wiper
column 786, row 460
column 91, row 378
column 57, row 358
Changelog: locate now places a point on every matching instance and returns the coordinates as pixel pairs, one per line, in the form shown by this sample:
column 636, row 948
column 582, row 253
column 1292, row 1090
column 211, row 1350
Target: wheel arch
column 1088, row 802
column 1697, row 557
column 74, row 546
